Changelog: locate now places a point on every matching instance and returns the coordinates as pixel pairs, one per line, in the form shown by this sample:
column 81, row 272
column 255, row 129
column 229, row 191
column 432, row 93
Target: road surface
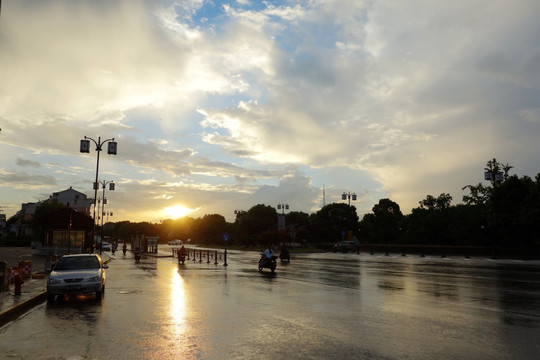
column 319, row 306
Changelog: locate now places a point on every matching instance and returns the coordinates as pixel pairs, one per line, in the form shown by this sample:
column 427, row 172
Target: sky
column 218, row 106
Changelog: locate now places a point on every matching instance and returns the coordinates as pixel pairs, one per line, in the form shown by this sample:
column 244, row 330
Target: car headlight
column 54, row 281
column 92, row 279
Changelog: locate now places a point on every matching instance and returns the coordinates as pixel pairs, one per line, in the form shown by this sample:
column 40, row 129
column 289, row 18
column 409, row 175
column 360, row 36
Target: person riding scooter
column 182, row 252
column 138, row 255
column 269, row 254
column 268, row 259
column 284, row 253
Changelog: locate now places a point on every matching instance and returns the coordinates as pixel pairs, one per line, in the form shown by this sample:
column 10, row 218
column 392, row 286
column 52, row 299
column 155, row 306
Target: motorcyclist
column 268, row 254
column 182, row 252
column 124, row 248
column 284, row 253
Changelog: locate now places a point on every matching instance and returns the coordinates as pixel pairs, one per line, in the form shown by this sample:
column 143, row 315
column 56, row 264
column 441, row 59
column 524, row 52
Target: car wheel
column 99, row 294
column 50, row 298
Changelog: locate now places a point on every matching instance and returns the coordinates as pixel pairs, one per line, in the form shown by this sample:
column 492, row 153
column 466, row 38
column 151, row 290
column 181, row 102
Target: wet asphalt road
column 320, row 306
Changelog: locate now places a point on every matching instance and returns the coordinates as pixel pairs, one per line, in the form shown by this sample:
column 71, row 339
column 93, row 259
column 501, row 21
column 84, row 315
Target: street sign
column 226, row 237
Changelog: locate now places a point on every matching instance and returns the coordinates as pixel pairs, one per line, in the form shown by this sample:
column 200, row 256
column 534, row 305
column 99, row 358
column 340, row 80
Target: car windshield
column 77, row 263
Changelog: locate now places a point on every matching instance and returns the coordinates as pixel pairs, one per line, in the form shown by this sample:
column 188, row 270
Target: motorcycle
column 284, row 255
column 181, row 257
column 137, row 256
column 124, row 248
column 265, row 262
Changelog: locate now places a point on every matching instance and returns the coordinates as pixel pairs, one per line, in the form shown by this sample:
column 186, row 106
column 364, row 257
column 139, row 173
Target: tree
column 441, row 202
column 255, row 222
column 496, row 173
column 210, row 228
column 297, row 218
column 330, row 222
column 386, row 219
column 431, row 221
column 515, row 209
column 509, row 208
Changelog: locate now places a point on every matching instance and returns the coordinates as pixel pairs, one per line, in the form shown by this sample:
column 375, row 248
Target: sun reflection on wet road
column 177, row 308
column 320, row 306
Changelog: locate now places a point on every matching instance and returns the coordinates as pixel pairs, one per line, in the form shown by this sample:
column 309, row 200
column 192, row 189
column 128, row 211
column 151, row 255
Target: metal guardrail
column 195, row 255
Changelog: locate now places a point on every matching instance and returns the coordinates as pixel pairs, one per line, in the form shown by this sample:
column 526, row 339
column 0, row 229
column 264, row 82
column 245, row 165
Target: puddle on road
column 134, row 291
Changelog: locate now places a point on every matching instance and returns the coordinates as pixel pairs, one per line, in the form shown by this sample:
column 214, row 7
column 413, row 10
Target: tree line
column 504, row 213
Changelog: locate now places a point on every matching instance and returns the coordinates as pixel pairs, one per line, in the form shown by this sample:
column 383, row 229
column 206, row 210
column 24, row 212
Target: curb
column 22, row 307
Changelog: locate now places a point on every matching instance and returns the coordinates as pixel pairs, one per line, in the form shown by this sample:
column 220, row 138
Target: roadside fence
column 203, row 255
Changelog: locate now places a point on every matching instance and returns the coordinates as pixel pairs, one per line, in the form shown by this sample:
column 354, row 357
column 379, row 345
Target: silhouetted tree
column 332, row 220
column 210, row 228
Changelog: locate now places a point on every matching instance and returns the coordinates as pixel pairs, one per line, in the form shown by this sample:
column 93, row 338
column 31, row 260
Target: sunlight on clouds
column 209, row 100
column 176, row 211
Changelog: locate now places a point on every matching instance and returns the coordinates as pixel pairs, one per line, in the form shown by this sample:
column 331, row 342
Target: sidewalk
column 34, row 289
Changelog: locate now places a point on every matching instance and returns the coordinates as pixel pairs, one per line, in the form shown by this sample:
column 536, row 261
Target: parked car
column 175, row 242
column 345, row 246
column 105, row 246
column 77, row 274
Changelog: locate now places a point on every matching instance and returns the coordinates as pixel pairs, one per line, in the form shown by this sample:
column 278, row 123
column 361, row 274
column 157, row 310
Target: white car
column 175, row 242
column 105, row 246
column 77, row 274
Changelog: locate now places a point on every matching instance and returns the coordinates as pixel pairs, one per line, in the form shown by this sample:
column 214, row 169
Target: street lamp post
column 348, row 195
column 496, row 177
column 281, row 217
column 239, row 213
column 282, row 207
column 103, row 184
column 111, row 150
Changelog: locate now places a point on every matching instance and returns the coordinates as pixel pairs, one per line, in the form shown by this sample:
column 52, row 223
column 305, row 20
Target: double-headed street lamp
column 103, row 184
column 85, row 148
column 349, row 195
column 282, row 207
column 281, row 217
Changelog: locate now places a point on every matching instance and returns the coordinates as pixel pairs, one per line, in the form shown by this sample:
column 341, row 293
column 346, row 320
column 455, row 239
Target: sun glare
column 176, row 212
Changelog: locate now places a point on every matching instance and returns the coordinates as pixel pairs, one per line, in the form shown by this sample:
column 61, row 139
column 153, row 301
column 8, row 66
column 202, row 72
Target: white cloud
column 210, row 104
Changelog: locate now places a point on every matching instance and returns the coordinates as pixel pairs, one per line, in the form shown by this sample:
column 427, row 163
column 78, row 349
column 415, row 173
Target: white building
column 76, row 200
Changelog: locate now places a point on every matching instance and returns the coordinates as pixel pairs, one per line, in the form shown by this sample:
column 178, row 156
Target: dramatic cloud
column 219, row 106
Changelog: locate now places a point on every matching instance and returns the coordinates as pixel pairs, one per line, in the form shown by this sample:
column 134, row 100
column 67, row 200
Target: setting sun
column 176, row 212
